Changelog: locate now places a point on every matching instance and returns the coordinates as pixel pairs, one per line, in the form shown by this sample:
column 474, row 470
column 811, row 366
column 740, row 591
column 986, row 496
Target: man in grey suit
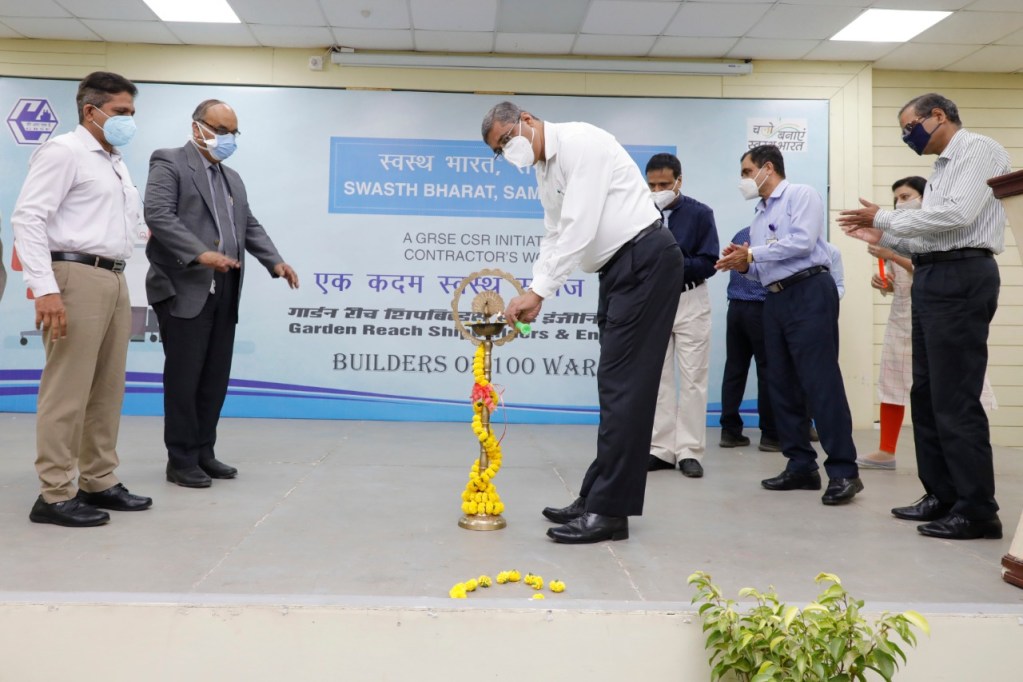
column 198, row 212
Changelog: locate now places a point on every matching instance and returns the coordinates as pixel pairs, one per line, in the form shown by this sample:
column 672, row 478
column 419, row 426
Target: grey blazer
column 180, row 216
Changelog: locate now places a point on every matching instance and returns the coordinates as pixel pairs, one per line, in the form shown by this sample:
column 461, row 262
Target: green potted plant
column 826, row 641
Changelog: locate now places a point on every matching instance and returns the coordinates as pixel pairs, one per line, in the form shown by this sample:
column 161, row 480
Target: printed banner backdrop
column 383, row 202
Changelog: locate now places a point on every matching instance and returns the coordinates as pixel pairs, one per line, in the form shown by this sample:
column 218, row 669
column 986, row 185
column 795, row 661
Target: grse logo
column 32, row 121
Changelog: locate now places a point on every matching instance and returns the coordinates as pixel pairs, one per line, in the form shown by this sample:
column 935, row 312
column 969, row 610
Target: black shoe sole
column 204, row 484
column 798, row 487
column 34, row 518
column 617, row 535
column 221, row 477
column 110, row 507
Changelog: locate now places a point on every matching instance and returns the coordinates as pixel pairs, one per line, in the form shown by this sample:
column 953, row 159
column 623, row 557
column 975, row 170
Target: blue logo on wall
column 32, row 121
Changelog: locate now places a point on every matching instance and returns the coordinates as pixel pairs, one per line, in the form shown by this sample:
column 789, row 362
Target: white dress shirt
column 77, row 197
column 959, row 209
column 594, row 200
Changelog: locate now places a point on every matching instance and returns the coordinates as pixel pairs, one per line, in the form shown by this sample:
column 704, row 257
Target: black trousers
column 744, row 341
column 635, row 311
column 953, row 303
column 196, row 369
column 801, row 338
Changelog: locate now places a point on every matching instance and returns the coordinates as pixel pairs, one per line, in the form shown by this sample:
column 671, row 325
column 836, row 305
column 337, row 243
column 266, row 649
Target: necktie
column 228, row 243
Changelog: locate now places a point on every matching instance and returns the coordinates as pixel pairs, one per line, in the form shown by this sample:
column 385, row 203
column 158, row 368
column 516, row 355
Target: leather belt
column 624, row 248
column 88, row 259
column 688, row 286
column 775, row 287
column 955, row 254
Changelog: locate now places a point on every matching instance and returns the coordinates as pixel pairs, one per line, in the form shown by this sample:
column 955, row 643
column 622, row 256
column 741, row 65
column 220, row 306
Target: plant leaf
column 917, row 620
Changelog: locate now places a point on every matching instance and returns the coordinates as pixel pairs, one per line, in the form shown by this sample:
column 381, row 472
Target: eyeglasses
column 908, row 128
column 504, row 140
column 221, row 130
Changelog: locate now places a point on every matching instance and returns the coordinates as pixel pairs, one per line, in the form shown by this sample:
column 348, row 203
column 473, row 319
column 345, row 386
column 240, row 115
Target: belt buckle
column 118, row 266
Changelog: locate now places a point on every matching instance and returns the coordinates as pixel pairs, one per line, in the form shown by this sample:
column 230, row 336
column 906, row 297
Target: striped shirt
column 959, row 210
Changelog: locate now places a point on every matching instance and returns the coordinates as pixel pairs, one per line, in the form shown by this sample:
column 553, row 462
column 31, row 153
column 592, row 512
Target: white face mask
column 666, row 197
column 912, row 203
column 519, row 151
column 749, row 187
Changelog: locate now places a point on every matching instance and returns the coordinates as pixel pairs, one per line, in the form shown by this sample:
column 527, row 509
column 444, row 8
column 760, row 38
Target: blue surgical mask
column 918, row 138
column 219, row 146
column 117, row 130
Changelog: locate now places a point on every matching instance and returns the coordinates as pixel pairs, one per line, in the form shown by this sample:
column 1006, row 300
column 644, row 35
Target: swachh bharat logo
column 32, row 121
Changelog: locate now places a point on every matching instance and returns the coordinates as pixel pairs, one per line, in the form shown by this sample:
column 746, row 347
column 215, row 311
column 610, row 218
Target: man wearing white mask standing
column 198, row 212
column 598, row 216
column 680, row 422
column 788, row 254
column 74, row 226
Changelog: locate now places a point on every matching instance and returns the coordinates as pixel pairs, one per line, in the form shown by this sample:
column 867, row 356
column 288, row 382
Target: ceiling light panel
column 889, row 25
column 194, row 11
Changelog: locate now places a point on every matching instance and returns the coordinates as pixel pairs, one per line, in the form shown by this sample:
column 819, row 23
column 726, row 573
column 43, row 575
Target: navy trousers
column 801, row 339
column 744, row 341
column 635, row 312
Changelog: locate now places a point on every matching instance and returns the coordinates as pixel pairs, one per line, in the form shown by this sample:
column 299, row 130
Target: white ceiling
column 981, row 35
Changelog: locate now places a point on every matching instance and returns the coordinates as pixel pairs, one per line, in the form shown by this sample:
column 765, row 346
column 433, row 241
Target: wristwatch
column 749, row 255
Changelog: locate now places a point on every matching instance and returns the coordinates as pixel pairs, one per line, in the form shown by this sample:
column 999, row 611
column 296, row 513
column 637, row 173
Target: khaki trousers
column 82, row 386
column 680, row 422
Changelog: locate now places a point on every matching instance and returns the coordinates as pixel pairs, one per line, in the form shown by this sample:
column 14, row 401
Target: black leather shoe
column 769, row 444
column 841, row 490
column 927, row 508
column 566, row 514
column 192, row 477
column 733, row 440
column 591, row 528
column 957, row 527
column 655, row 463
column 117, row 498
column 214, row 468
column 691, row 468
column 791, row 480
column 72, row 513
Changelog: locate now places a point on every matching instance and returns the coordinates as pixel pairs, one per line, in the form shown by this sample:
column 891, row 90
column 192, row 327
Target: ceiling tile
column 288, row 13
column 121, row 10
column 917, row 57
column 35, row 8
column 454, row 15
column 619, row 17
column 972, row 28
column 933, row 5
column 380, row 14
column 765, row 48
column 708, row 19
column 800, row 22
column 671, row 46
column 237, row 35
column 850, row 51
column 621, row 46
column 8, row 32
column 531, row 43
column 454, row 41
column 993, row 58
column 997, row 6
column 541, row 16
column 293, row 36
column 51, row 29
column 1012, row 39
column 373, row 39
column 132, row 31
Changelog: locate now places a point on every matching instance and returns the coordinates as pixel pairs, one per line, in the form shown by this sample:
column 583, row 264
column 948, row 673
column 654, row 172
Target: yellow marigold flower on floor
column 557, row 586
column 537, row 583
column 538, row 596
column 471, row 584
column 458, row 591
column 484, row 581
column 514, row 576
column 502, row 577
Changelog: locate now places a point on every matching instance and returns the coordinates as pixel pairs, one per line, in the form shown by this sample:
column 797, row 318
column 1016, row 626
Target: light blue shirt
column 787, row 233
column 837, row 270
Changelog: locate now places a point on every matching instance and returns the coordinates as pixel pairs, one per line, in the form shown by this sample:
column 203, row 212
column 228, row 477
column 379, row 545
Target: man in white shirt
column 74, row 225
column 598, row 216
